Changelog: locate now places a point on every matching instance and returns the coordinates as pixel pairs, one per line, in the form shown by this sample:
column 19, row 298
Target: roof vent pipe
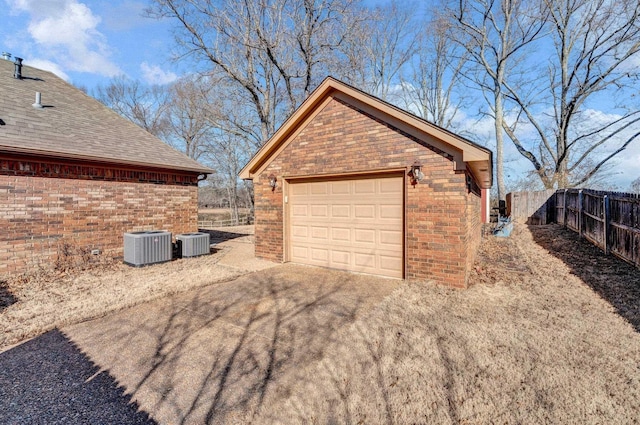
column 38, row 103
column 18, row 72
column 6, row 56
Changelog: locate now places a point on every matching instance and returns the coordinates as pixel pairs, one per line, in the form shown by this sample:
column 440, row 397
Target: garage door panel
column 299, row 253
column 390, row 237
column 365, row 260
column 348, row 224
column 365, row 187
column 340, row 188
column 364, row 211
column 299, row 211
column 319, row 254
column 390, row 185
column 299, row 189
column 340, row 258
column 319, row 211
column 390, row 263
column 366, row 236
column 320, row 232
column 319, row 188
column 300, row 231
column 341, row 234
column 391, row 211
column 340, row 211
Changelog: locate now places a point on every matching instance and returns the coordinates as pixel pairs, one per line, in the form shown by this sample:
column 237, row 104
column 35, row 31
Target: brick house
column 74, row 175
column 352, row 182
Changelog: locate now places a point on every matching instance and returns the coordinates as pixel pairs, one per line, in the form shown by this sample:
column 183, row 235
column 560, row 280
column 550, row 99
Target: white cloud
column 153, row 74
column 65, row 32
column 48, row 66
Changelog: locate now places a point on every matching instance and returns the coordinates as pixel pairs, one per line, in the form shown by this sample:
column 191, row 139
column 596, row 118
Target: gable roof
column 73, row 125
column 466, row 153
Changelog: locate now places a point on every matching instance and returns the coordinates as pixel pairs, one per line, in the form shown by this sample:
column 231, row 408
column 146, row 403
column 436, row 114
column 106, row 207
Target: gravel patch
column 47, row 380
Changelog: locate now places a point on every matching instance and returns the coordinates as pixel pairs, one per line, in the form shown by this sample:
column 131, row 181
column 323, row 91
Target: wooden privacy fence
column 609, row 220
column 531, row 207
column 241, row 220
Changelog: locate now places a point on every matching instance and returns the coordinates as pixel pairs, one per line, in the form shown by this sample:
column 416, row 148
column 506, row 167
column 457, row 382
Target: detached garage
column 353, row 183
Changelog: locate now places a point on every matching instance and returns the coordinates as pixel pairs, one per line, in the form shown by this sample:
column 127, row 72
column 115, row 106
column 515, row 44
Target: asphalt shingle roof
column 75, row 125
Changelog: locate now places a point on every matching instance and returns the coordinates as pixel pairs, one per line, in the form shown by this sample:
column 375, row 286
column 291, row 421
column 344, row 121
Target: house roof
column 73, row 125
column 466, row 153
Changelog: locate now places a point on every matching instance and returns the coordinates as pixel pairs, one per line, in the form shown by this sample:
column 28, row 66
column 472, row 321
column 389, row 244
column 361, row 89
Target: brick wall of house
column 342, row 139
column 474, row 226
column 89, row 208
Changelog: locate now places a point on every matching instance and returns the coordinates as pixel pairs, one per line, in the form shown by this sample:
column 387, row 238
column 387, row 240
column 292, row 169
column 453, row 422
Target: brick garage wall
column 474, row 226
column 88, row 208
column 268, row 220
column 343, row 139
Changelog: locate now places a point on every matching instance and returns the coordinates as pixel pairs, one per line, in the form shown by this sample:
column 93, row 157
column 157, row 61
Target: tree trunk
column 499, row 144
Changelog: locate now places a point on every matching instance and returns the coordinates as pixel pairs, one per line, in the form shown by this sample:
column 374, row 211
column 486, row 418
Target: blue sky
column 87, row 42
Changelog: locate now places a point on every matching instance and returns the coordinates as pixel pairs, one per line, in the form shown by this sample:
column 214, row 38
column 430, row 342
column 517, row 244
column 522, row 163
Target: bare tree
column 228, row 154
column 495, row 33
column 146, row 106
column 388, row 41
column 596, row 44
column 190, row 124
column 432, row 89
column 272, row 51
column 635, row 186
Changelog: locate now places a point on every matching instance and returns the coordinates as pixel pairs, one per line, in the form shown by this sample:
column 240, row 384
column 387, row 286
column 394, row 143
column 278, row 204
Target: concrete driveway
column 218, row 354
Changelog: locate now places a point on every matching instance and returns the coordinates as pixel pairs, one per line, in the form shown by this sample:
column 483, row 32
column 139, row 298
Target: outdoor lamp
column 416, row 173
column 273, row 182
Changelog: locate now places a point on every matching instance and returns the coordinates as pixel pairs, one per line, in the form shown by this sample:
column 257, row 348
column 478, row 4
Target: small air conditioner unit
column 193, row 244
column 147, row 247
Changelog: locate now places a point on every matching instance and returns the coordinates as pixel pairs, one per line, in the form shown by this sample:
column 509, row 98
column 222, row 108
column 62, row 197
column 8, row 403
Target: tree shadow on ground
column 218, row 236
column 610, row 277
column 220, row 354
column 48, row 380
column 6, row 296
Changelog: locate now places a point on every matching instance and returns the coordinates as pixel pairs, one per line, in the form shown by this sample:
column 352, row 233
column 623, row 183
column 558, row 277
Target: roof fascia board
column 462, row 151
column 400, row 124
column 102, row 160
column 292, row 135
column 309, row 106
column 470, row 152
column 484, row 178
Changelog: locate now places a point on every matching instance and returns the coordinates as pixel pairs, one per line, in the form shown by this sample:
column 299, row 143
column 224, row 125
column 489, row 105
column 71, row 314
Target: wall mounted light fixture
column 416, row 173
column 273, row 182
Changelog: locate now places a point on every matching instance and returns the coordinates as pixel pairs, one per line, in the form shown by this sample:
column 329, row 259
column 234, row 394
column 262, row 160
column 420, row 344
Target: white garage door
column 354, row 225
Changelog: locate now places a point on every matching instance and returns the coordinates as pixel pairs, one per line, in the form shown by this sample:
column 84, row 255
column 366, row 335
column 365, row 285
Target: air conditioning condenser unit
column 147, row 247
column 192, row 244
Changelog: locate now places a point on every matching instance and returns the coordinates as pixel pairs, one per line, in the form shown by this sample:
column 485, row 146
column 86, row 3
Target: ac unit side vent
column 193, row 244
column 147, row 247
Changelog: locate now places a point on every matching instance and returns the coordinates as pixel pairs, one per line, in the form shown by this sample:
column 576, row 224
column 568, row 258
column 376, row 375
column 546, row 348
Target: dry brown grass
column 537, row 339
column 530, row 345
column 37, row 302
column 216, row 214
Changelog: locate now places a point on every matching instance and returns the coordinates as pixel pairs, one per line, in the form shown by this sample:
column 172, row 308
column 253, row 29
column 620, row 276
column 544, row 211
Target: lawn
column 34, row 303
column 531, row 342
column 547, row 333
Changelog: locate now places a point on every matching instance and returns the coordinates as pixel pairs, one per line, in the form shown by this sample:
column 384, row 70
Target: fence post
column 606, row 217
column 564, row 209
column 635, row 221
column 580, row 208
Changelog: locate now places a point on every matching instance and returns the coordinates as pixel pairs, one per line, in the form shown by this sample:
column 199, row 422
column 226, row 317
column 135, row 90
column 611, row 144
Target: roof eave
column 479, row 158
column 89, row 158
column 323, row 90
